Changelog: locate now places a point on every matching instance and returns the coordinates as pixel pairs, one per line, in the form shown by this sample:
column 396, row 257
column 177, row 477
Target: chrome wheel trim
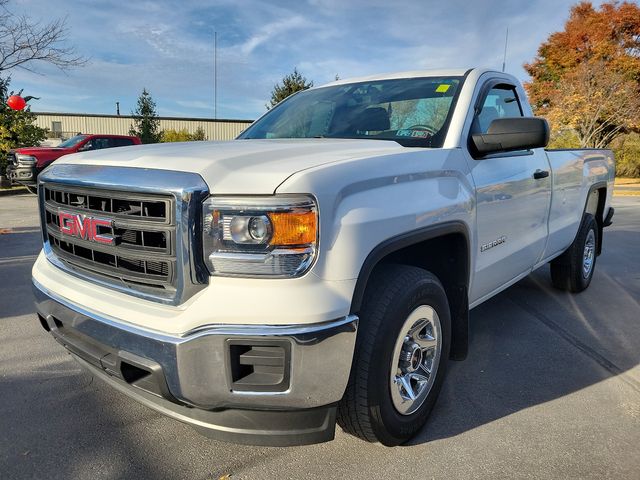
column 415, row 360
column 588, row 254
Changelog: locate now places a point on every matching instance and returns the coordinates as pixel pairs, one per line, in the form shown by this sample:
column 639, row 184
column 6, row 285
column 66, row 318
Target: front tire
column 401, row 356
column 573, row 270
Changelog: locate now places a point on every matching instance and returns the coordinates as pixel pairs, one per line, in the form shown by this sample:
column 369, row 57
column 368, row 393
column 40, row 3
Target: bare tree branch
column 25, row 42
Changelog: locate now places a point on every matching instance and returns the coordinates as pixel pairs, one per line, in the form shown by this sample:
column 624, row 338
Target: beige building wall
column 70, row 124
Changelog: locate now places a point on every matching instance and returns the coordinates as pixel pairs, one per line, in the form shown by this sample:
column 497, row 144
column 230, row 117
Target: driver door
column 513, row 196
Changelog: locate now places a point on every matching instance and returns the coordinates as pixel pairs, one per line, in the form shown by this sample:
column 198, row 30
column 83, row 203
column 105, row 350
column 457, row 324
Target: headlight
column 275, row 237
column 26, row 159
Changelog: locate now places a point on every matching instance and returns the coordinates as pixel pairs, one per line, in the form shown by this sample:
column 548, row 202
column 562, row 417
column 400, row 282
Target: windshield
column 73, row 141
column 410, row 111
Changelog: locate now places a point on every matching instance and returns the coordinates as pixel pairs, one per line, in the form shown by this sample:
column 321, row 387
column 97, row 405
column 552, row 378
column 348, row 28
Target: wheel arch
column 596, row 208
column 451, row 264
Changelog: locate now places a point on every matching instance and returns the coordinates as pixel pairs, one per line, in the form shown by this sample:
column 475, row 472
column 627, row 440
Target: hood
column 238, row 166
column 36, row 150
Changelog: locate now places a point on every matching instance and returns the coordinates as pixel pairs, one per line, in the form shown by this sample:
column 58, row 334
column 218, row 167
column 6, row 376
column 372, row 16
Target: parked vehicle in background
column 25, row 164
column 320, row 268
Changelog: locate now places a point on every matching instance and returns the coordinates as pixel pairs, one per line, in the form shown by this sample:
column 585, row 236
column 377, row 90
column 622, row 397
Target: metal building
column 65, row 125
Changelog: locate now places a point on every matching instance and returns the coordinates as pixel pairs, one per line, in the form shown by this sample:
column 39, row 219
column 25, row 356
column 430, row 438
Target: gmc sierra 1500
column 320, row 267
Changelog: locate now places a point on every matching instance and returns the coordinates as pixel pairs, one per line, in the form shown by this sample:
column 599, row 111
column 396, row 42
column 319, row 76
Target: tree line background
column 585, row 80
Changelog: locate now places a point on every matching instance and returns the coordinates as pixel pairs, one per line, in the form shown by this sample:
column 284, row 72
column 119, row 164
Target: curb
column 626, row 193
column 12, row 191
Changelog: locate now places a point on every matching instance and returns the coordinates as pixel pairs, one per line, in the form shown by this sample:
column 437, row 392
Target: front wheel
column 401, row 356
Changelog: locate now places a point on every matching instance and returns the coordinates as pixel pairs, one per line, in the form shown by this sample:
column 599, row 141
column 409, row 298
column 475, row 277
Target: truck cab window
column 121, row 142
column 501, row 101
column 90, row 145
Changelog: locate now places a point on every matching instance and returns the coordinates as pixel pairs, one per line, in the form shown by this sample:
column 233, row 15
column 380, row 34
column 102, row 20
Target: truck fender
column 455, row 280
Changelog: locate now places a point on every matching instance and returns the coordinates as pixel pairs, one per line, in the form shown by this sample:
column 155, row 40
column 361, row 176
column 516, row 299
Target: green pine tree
column 292, row 83
column 146, row 125
column 199, row 135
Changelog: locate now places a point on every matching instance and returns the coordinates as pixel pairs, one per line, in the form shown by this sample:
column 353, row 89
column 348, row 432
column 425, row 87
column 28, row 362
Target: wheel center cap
column 416, row 358
column 411, row 357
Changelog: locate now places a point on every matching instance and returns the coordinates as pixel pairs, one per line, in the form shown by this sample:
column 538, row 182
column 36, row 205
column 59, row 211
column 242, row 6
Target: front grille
column 142, row 255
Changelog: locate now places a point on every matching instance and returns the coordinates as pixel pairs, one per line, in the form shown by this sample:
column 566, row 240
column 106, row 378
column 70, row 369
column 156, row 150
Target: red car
column 24, row 164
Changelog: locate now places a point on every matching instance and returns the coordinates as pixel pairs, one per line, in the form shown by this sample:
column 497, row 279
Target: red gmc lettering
column 82, row 226
column 77, row 225
column 67, row 225
column 95, row 236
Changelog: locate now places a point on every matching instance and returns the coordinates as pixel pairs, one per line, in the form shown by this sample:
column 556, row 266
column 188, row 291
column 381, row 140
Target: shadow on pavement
column 19, row 248
column 58, row 422
column 532, row 344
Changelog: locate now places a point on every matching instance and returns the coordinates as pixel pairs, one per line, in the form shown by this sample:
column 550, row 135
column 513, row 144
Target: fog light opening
column 44, row 323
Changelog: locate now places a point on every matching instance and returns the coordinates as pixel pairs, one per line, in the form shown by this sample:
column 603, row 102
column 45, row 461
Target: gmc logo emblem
column 85, row 227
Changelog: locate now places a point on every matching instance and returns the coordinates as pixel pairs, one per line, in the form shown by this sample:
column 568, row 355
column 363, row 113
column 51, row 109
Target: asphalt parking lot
column 551, row 389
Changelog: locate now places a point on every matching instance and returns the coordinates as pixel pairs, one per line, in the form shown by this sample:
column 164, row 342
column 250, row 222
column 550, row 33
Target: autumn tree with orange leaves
column 587, row 77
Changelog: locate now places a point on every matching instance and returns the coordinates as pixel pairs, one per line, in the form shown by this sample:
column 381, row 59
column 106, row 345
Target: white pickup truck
column 321, row 267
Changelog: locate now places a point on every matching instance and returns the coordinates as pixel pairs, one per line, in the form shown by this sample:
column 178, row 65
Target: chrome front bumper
column 191, row 377
column 22, row 174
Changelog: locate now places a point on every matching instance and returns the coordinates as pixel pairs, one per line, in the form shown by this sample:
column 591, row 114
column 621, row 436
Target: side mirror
column 509, row 134
column 86, row 147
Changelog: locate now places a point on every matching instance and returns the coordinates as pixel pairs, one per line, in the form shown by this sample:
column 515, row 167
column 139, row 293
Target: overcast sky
column 167, row 47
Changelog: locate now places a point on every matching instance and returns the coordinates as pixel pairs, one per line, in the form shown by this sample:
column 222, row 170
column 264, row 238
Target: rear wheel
column 573, row 270
column 401, row 356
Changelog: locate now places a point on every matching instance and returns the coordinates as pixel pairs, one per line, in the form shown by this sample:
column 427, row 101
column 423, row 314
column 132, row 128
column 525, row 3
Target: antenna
column 504, row 57
column 215, row 74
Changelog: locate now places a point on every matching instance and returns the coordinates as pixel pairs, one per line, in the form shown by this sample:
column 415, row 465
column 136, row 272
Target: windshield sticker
column 443, row 88
column 407, row 132
column 420, row 134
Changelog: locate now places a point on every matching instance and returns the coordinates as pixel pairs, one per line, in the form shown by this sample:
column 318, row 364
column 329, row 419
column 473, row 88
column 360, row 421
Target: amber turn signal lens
column 293, row 228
